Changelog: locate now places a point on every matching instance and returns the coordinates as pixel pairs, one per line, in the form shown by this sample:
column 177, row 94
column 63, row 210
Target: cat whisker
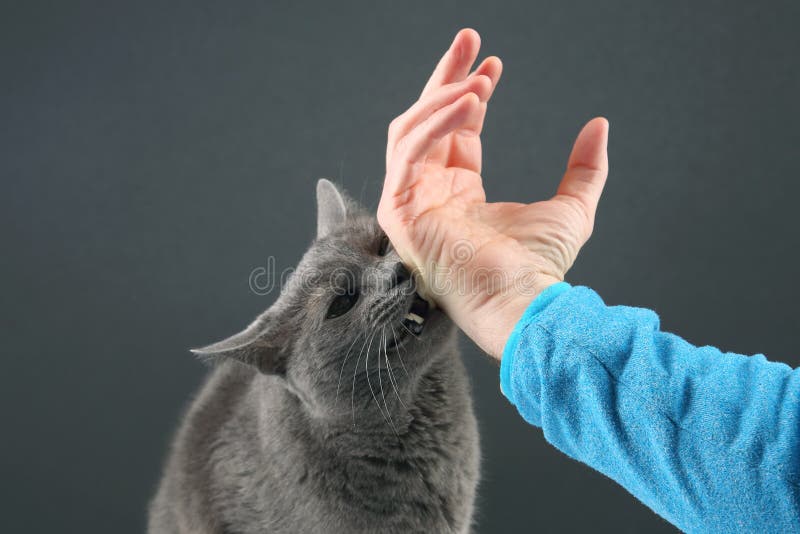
column 341, row 371
column 353, row 390
column 380, row 381
column 409, row 331
column 398, row 349
column 397, row 345
column 392, row 379
column 369, row 382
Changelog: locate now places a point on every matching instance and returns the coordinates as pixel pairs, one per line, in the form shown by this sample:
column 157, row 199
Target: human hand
column 483, row 263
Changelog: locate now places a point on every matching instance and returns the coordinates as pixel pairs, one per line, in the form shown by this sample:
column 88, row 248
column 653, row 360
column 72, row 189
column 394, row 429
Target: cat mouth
column 414, row 319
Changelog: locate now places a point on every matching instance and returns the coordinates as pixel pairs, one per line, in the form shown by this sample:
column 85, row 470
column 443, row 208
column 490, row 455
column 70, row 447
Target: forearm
column 706, row 439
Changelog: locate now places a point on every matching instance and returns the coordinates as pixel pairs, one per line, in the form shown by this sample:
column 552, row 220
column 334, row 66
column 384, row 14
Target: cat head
column 348, row 333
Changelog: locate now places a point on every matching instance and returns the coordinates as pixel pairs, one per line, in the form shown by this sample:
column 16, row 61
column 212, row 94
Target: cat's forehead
column 351, row 243
column 336, row 260
column 355, row 235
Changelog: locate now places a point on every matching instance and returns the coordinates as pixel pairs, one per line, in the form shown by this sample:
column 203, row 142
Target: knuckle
column 402, row 146
column 394, row 126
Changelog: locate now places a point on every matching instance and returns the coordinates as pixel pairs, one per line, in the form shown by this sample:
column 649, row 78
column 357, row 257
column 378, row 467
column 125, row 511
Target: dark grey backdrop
column 154, row 153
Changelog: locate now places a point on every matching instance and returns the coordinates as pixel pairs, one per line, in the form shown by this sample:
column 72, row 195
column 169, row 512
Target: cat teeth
column 414, row 317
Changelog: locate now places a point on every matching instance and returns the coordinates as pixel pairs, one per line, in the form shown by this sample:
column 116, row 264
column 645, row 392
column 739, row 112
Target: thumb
column 587, row 168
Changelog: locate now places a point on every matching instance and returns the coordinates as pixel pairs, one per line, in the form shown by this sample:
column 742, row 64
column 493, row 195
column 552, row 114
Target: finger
column 413, row 148
column 479, row 84
column 459, row 114
column 587, row 168
column 456, row 62
column 491, row 67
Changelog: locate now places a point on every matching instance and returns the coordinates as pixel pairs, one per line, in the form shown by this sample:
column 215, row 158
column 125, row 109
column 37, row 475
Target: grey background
column 154, row 153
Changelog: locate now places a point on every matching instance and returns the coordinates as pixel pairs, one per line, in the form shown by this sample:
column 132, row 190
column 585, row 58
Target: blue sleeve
column 708, row 440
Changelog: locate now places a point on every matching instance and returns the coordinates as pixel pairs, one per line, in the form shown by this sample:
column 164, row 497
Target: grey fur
column 290, row 433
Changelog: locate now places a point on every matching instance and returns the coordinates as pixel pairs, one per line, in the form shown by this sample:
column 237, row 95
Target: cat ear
column 257, row 345
column 331, row 207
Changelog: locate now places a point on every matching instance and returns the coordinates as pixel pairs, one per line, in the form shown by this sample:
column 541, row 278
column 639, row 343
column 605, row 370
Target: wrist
column 491, row 325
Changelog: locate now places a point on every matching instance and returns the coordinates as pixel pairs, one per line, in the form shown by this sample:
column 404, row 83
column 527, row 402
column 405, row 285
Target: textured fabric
column 538, row 304
column 709, row 440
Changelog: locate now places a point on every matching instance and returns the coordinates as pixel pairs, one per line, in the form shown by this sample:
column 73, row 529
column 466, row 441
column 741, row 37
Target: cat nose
column 399, row 274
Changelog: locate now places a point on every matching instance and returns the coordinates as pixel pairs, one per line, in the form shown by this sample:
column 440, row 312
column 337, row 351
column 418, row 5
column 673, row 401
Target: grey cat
column 344, row 407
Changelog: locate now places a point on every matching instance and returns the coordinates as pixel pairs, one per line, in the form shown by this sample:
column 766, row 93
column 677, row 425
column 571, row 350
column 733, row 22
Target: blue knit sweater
column 709, row 440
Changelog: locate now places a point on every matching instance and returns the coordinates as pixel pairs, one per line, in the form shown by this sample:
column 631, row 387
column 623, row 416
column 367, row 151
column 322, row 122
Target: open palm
column 435, row 212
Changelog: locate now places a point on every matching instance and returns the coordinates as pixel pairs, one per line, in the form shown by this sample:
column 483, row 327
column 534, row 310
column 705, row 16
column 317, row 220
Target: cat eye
column 341, row 305
column 385, row 246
